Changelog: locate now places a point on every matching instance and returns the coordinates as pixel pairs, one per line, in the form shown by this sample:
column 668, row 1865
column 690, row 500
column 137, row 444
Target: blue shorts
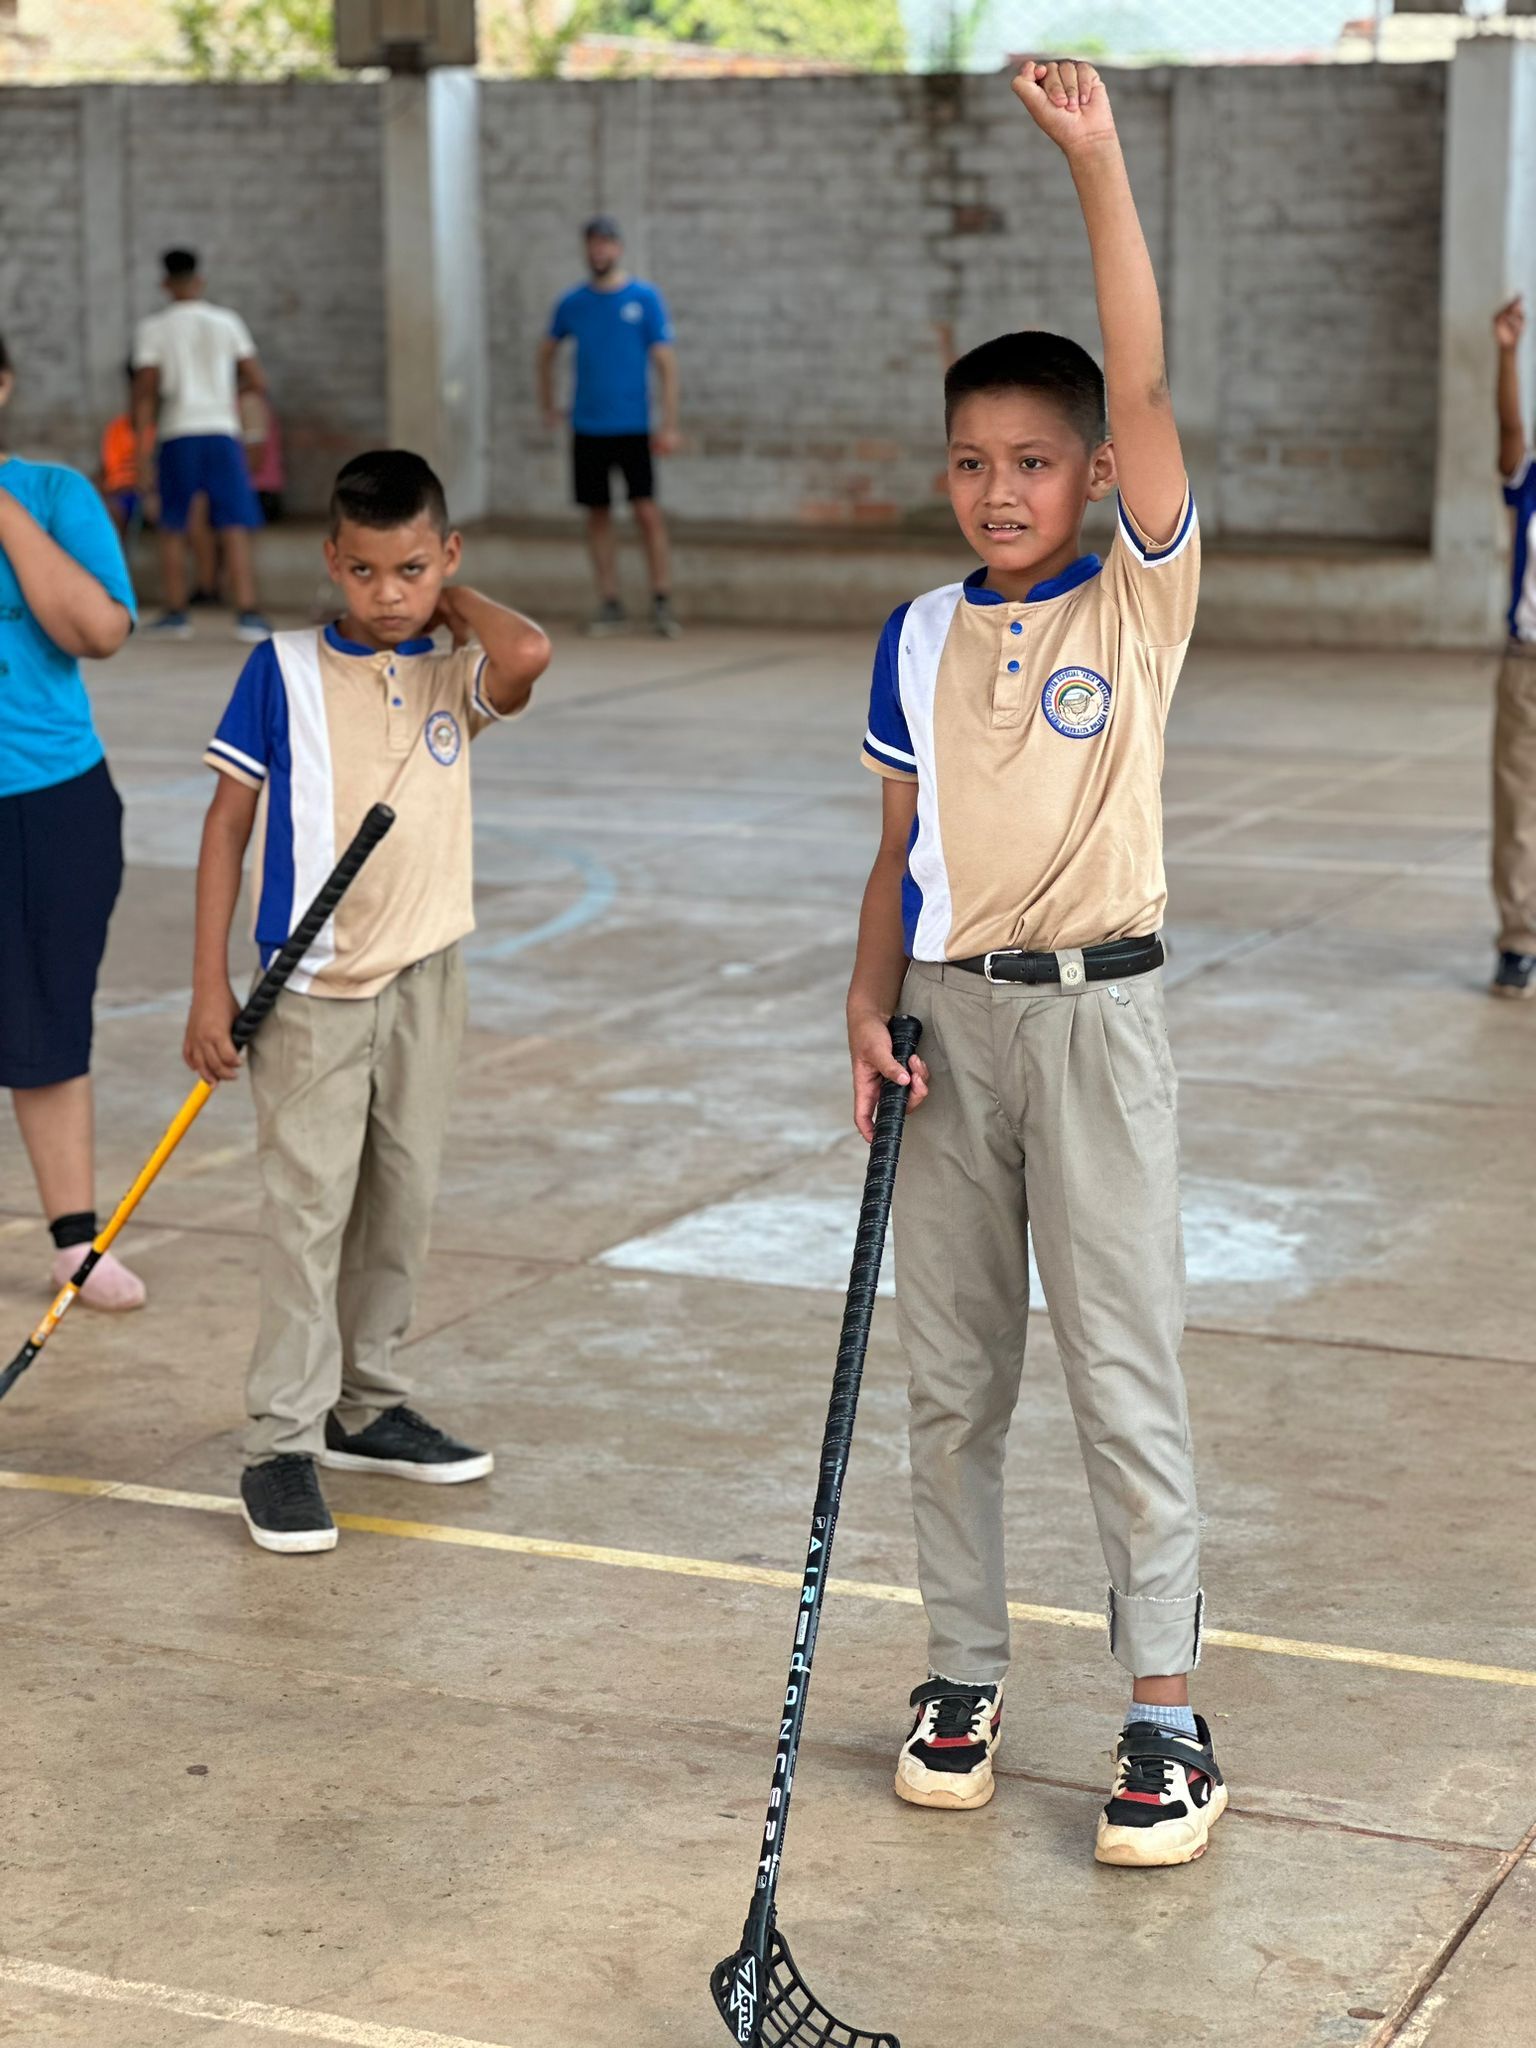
column 211, row 466
column 61, row 851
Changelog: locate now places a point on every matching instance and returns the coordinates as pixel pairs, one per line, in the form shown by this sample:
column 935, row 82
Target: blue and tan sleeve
column 1522, row 484
column 1156, row 581
column 887, row 742
column 243, row 746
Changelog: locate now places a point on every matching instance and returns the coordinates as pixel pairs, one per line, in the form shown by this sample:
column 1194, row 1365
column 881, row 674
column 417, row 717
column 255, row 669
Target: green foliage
column 866, row 35
column 952, row 44
column 240, row 39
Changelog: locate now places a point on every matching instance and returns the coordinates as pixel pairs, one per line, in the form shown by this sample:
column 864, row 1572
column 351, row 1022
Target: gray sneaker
column 607, row 619
column 252, row 628
column 664, row 620
column 170, row 626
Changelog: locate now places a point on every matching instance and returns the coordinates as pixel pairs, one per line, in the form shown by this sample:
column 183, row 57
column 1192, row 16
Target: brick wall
column 42, row 281
column 823, row 242
column 277, row 187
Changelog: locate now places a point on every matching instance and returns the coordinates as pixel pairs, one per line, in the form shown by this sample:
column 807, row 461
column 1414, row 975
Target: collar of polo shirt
column 1053, row 586
column 345, row 646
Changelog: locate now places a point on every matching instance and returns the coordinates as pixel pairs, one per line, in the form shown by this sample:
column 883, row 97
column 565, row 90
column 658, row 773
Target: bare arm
column 880, row 965
column 1071, row 104
column 664, row 356
column 208, row 1048
column 1508, row 327
column 146, row 413
column 544, row 371
column 516, row 650
column 250, row 377
column 76, row 612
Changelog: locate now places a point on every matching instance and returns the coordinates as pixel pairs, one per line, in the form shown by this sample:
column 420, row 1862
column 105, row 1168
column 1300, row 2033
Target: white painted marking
column 235, row 2012
column 771, row 1240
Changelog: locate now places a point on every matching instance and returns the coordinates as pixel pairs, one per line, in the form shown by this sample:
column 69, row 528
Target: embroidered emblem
column 442, row 737
column 1076, row 701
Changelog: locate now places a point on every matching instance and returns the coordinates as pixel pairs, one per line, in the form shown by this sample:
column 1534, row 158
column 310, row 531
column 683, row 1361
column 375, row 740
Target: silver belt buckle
column 1001, row 953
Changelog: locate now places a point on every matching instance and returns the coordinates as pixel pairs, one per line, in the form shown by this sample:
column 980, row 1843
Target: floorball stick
column 242, row 1031
column 760, row 1994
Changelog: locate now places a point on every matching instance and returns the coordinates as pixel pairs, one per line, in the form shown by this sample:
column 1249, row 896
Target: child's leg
column 1514, row 804
column 414, row 1062
column 1103, row 1174
column 309, row 1068
column 962, row 1293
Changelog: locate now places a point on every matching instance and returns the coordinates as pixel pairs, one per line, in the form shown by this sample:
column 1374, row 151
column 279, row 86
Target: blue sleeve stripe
column 1153, row 558
column 229, row 753
column 894, row 756
column 481, row 702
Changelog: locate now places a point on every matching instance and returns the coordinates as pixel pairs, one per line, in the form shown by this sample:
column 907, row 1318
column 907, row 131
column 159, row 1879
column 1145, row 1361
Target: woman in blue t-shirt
column 64, row 594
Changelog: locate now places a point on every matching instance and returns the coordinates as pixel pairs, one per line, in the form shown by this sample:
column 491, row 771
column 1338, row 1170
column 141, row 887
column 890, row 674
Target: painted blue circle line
column 599, row 887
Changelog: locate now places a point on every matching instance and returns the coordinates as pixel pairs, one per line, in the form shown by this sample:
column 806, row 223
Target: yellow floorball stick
column 242, row 1031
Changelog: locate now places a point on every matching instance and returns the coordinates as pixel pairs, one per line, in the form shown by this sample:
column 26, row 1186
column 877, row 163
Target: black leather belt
column 1117, row 961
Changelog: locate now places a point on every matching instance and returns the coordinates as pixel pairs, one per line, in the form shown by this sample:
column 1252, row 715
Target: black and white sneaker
column 1515, row 975
column 1167, row 1796
column 400, row 1444
column 947, row 1759
column 609, row 618
column 283, row 1506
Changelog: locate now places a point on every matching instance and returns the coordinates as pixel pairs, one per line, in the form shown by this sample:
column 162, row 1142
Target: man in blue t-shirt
column 620, row 327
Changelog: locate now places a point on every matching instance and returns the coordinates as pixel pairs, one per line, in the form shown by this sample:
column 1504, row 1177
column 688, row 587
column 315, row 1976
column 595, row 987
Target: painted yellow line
column 759, row 1575
column 294, row 2020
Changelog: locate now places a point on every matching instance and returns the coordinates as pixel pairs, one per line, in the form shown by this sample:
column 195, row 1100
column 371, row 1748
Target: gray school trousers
column 1054, row 1109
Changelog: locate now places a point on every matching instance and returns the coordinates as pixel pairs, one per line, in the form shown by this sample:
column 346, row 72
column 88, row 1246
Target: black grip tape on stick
column 759, row 1992
column 310, row 925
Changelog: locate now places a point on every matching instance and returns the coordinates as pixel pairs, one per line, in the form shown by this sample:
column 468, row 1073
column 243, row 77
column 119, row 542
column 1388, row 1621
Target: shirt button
column 1013, row 668
column 1015, row 627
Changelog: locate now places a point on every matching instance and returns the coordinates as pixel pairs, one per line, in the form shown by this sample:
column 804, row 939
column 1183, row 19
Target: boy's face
column 391, row 577
column 1020, row 476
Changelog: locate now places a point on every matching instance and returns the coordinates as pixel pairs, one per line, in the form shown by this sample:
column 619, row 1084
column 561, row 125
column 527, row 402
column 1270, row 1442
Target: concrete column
column 1488, row 250
column 1192, row 314
column 105, row 294
column 434, row 272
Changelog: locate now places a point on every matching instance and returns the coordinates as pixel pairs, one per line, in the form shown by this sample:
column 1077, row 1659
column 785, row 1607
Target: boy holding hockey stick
column 1014, row 907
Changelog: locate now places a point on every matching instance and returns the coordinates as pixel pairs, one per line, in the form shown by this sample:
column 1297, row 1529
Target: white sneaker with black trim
column 1167, row 1796
column 947, row 1759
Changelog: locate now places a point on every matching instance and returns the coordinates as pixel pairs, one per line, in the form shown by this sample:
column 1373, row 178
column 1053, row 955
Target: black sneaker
column 283, row 1506
column 947, row 1759
column 664, row 621
column 403, row 1445
column 1168, row 1794
column 1515, row 976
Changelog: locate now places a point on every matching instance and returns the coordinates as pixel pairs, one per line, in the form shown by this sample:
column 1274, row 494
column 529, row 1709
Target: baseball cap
column 604, row 224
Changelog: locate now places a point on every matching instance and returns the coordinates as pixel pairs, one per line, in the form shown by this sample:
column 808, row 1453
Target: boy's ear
column 1103, row 477
column 332, row 560
column 453, row 553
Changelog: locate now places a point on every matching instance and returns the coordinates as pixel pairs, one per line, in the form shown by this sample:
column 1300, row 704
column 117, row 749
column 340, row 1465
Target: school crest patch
column 443, row 738
column 1076, row 701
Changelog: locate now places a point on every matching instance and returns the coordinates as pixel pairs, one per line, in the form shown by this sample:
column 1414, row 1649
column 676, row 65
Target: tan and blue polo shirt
column 1034, row 734
column 325, row 728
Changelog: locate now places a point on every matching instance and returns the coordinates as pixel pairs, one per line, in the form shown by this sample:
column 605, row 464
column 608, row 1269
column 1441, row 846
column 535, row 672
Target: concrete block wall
column 277, row 187
column 825, row 242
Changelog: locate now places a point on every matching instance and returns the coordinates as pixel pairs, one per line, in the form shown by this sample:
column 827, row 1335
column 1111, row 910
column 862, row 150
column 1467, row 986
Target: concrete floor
column 497, row 1788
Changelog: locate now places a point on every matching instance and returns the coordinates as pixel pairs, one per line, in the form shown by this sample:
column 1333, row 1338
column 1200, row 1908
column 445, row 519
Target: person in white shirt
column 194, row 366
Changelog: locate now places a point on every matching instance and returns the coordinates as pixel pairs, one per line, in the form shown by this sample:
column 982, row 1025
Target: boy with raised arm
column 1514, row 734
column 1014, row 907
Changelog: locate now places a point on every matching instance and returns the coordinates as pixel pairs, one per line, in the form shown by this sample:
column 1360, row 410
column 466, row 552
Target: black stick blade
column 775, row 2009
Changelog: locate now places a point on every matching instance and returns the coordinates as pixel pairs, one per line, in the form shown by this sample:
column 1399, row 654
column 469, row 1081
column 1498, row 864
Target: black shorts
column 61, row 853
column 594, row 458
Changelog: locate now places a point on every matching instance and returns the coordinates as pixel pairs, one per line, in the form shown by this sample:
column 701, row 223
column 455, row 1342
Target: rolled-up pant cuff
column 1155, row 1638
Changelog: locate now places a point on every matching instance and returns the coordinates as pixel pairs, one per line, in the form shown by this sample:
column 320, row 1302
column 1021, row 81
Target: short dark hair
column 179, row 263
column 387, row 487
column 5, row 356
column 1033, row 361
